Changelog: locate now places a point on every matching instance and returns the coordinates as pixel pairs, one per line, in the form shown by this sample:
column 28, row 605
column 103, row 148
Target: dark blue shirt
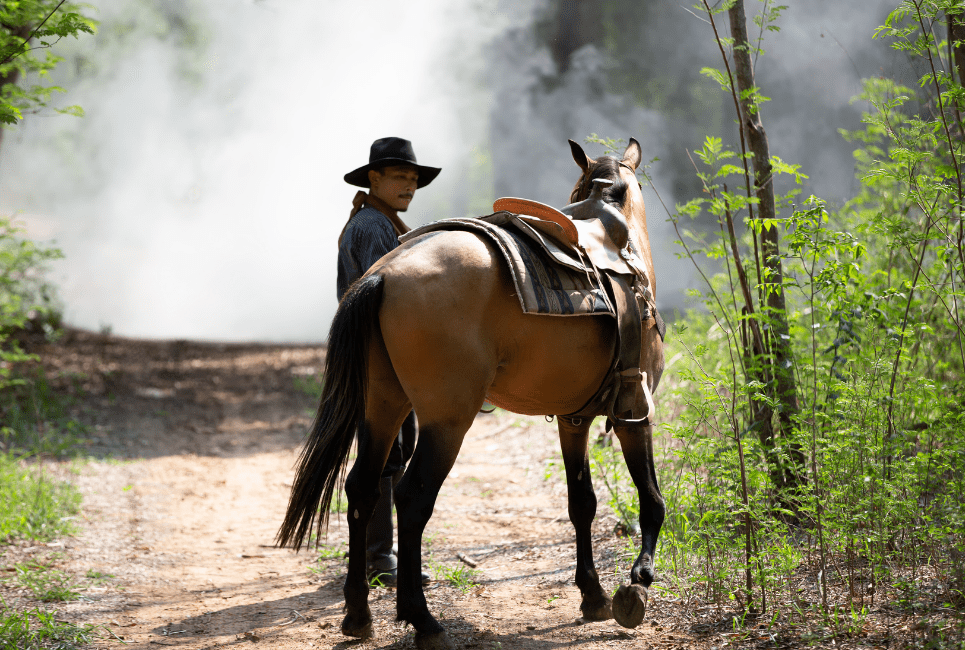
column 368, row 236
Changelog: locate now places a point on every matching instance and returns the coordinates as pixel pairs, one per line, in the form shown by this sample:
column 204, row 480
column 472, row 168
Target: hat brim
column 360, row 177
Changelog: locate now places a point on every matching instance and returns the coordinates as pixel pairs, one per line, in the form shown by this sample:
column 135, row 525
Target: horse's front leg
column 582, row 507
column 630, row 603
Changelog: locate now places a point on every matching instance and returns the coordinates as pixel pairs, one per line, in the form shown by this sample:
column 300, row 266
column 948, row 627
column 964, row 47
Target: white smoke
column 201, row 196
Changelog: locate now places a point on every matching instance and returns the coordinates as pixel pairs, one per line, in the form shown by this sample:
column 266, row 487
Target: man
column 392, row 177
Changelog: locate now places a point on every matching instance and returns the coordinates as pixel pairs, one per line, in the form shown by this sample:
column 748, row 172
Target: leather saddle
column 592, row 236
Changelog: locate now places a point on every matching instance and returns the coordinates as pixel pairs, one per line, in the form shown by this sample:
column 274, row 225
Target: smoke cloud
column 201, row 196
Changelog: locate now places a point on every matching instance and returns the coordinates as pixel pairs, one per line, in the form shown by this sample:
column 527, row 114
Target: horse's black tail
column 321, row 466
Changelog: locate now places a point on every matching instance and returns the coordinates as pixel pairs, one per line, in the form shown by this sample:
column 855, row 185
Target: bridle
column 585, row 181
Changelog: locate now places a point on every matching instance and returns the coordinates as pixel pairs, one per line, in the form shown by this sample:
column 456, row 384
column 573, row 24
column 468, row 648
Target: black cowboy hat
column 386, row 152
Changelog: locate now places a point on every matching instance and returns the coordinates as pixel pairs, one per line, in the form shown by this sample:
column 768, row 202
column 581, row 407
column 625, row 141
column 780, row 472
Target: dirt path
column 203, row 439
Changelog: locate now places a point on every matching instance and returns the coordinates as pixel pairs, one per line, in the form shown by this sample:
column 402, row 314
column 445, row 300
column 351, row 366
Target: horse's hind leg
column 630, row 603
column 386, row 408
column 415, row 495
column 582, row 507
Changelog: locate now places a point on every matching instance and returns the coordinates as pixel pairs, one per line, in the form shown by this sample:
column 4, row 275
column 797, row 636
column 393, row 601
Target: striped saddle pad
column 543, row 285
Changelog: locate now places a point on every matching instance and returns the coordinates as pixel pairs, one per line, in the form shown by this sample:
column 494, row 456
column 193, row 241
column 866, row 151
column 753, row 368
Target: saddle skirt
column 569, row 241
column 543, row 284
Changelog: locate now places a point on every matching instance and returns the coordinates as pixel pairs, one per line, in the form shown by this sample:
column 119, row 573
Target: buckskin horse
column 435, row 326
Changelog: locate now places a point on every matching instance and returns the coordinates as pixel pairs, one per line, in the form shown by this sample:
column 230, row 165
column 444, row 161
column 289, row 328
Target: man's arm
column 379, row 239
column 365, row 241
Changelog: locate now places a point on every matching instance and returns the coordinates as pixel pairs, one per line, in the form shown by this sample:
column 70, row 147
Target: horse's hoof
column 433, row 641
column 357, row 627
column 630, row 605
column 600, row 611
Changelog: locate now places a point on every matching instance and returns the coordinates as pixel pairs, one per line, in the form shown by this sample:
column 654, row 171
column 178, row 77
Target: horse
column 435, row 327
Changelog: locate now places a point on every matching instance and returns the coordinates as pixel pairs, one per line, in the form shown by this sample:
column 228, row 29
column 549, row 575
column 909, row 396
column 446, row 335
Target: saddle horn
column 594, row 207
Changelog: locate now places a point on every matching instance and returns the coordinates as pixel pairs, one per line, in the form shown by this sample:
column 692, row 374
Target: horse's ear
column 633, row 155
column 580, row 156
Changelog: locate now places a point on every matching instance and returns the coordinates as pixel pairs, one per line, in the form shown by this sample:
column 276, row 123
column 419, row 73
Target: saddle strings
column 584, row 193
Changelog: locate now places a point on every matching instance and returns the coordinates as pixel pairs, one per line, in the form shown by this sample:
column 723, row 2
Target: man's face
column 394, row 185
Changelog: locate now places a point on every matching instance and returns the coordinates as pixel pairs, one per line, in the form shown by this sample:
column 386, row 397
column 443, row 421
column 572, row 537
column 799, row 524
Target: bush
column 27, row 299
column 875, row 309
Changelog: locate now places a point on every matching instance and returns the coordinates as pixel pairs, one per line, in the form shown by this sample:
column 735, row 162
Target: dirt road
column 194, row 446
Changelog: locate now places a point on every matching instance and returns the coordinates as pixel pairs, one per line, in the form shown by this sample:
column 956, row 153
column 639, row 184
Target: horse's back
column 454, row 330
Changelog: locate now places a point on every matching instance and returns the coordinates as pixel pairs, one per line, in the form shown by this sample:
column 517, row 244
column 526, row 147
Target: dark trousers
column 379, row 534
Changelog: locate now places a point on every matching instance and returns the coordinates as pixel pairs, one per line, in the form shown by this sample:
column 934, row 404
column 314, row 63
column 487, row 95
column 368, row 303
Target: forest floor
column 189, row 462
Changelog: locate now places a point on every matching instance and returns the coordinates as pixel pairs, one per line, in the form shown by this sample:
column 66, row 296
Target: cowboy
column 391, row 177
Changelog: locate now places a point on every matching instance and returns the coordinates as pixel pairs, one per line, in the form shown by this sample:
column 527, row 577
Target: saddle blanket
column 542, row 286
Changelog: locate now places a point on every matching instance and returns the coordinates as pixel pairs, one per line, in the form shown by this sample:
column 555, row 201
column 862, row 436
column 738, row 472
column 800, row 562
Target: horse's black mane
column 605, row 167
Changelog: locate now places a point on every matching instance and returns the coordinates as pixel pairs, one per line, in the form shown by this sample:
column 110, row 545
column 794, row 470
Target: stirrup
column 613, row 420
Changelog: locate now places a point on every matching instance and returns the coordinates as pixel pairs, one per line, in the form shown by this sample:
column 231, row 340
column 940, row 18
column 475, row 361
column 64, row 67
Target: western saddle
column 592, row 236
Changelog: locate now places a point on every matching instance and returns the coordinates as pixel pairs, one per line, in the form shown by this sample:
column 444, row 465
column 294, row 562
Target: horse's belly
column 556, row 364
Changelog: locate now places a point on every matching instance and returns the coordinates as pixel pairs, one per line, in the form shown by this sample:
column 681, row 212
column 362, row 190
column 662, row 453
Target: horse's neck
column 637, row 220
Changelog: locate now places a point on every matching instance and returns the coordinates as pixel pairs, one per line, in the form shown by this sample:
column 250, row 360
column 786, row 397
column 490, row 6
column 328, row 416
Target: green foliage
column 607, row 465
column 332, row 552
column 339, row 503
column 311, row 385
column 28, row 29
column 45, row 583
column 327, row 556
column 611, row 146
column 36, row 419
column 719, row 482
column 874, row 305
column 461, row 577
column 33, row 505
column 25, row 295
column 40, row 630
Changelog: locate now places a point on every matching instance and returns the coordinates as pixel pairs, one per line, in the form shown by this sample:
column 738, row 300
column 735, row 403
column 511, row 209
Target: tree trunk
column 956, row 34
column 782, row 360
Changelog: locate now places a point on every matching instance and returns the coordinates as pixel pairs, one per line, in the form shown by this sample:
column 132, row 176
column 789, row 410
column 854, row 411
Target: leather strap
column 661, row 326
column 629, row 398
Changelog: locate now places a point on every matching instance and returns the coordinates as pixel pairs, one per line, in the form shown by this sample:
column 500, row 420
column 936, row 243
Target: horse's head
column 624, row 193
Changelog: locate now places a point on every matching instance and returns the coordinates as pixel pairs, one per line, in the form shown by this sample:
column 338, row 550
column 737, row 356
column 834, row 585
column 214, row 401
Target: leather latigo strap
column 624, row 396
column 661, row 325
column 629, row 404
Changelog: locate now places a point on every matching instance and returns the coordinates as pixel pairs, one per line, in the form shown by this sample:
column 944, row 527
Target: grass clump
column 328, row 555
column 35, row 418
column 45, row 583
column 461, row 577
column 34, row 422
column 38, row 629
column 333, row 552
column 32, row 505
